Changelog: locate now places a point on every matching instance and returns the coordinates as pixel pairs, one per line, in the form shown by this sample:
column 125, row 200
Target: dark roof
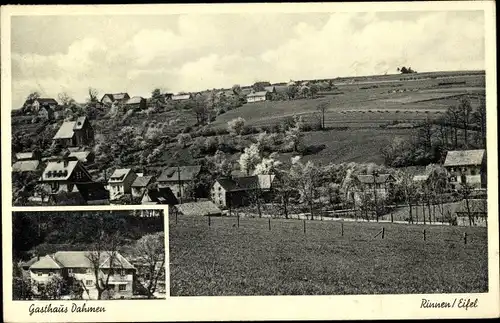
column 66, row 130
column 142, row 181
column 79, row 123
column 116, row 96
column 184, row 173
column 381, row 178
column 79, row 259
column 464, row 157
column 239, row 183
column 92, row 192
column 162, row 195
column 46, row 101
column 25, row 166
column 198, row 208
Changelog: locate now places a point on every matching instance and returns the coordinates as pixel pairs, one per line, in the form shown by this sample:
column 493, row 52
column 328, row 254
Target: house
column 167, row 96
column 77, row 266
column 29, row 155
column 159, row 195
column 39, row 103
column 373, row 186
column 181, row 96
column 46, row 113
column 87, row 157
column 271, row 89
column 203, row 208
column 258, row 96
column 136, row 103
column 110, row 98
column 120, row 182
column 22, row 166
column 140, row 184
column 74, row 133
column 473, row 212
column 178, row 179
column 238, row 191
column 466, row 166
column 64, row 174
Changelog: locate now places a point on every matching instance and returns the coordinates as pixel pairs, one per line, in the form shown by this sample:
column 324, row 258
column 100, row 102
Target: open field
column 252, row 260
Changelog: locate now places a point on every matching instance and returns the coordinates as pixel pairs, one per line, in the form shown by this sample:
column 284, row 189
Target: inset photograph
column 88, row 255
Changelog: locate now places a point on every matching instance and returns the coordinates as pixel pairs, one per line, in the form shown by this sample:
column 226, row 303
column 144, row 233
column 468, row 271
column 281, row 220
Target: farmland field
column 252, row 260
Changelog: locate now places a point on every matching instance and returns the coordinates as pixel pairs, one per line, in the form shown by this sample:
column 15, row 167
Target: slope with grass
column 252, row 260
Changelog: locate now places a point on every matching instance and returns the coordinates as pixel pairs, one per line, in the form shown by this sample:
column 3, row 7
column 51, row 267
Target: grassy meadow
column 224, row 259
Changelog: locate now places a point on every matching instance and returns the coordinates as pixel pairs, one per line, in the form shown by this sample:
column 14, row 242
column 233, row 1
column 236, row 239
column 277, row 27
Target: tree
column 93, row 93
column 294, row 134
column 410, row 193
column 104, row 248
column 322, row 108
column 267, row 165
column 236, row 89
column 184, row 139
column 219, row 165
column 465, row 191
column 236, row 126
column 305, row 178
column 65, row 99
column 250, row 159
column 52, row 289
column 292, row 91
column 150, row 250
column 453, row 115
column 156, row 94
column 465, row 110
column 479, row 119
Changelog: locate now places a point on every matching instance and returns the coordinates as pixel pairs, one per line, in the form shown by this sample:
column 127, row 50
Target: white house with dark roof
column 120, row 182
column 178, row 179
column 466, row 166
column 236, row 191
column 373, row 186
column 64, row 174
column 78, row 265
column 74, row 133
column 258, row 96
column 136, row 103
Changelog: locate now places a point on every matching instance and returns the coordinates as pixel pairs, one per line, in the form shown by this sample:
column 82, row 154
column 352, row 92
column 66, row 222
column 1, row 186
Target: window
column 39, row 274
column 70, row 271
column 122, row 287
column 89, row 282
column 51, row 273
column 122, row 272
column 178, row 194
column 473, row 172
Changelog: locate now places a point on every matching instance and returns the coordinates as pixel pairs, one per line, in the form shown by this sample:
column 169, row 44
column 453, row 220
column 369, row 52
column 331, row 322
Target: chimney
column 66, row 162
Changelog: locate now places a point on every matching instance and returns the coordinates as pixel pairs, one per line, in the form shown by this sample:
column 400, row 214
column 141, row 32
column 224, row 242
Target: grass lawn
column 251, row 260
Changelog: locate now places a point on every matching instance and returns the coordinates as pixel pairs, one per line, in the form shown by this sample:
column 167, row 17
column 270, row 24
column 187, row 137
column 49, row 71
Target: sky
column 192, row 52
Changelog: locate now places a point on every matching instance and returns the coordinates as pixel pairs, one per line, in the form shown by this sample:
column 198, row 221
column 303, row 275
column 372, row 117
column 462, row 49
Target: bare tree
column 93, row 93
column 479, row 118
column 322, row 108
column 465, row 109
column 453, row 118
column 105, row 248
column 150, row 249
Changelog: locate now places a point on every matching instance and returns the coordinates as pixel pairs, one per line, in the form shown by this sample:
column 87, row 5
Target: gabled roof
column 198, row 208
column 46, row 262
column 464, row 157
column 57, row 170
column 183, row 96
column 66, row 130
column 160, row 195
column 142, row 181
column 93, row 192
column 116, row 96
column 25, row 155
column 46, row 101
column 25, row 166
column 30, row 262
column 79, row 123
column 184, row 173
column 260, row 93
column 269, row 88
column 80, row 155
column 381, row 178
column 80, row 259
column 135, row 100
column 239, row 183
column 119, row 175
column 420, row 178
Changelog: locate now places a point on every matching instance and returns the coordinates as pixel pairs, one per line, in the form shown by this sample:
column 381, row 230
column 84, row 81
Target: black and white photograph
column 334, row 150
column 88, row 255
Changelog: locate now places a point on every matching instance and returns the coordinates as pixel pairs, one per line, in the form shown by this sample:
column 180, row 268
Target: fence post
column 342, row 228
column 424, row 235
column 209, row 221
column 269, row 223
column 176, row 217
column 465, row 237
column 392, row 216
column 383, row 232
column 238, row 217
column 304, row 226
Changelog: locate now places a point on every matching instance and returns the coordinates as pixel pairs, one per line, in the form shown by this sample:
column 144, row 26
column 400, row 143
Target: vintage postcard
column 202, row 162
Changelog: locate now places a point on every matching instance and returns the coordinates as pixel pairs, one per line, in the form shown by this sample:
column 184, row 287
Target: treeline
column 44, row 232
column 461, row 127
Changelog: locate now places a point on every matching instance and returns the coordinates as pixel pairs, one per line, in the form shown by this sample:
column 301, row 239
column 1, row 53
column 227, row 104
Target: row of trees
column 461, row 127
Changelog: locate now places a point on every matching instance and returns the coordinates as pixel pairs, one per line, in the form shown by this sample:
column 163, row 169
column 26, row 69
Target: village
column 66, row 172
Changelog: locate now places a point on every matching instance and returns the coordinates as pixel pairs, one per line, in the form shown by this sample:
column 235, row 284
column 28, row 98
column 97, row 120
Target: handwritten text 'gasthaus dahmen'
column 62, row 308
column 464, row 303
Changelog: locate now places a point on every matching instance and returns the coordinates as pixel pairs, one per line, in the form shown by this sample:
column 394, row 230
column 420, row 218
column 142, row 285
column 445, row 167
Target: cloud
column 211, row 51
